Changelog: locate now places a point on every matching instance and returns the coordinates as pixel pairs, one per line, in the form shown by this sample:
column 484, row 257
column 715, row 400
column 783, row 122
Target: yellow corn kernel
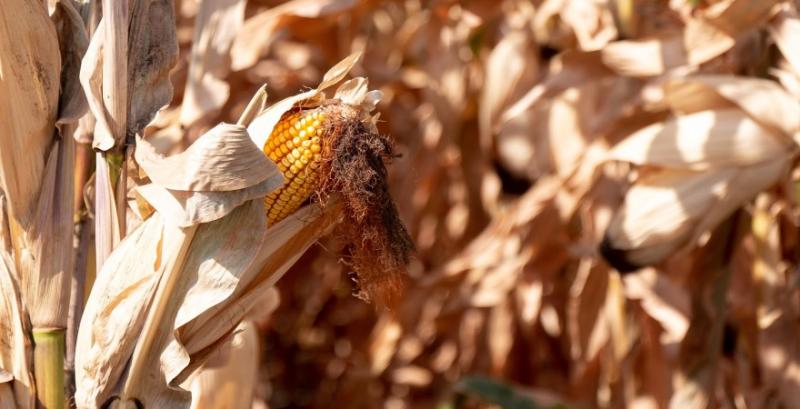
column 294, row 145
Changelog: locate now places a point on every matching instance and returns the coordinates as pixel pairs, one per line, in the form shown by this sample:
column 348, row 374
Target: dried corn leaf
column 663, row 300
column 16, row 377
column 256, row 36
column 778, row 354
column 47, row 257
column 568, row 69
column 698, row 43
column 30, row 70
column 216, row 24
column 705, row 37
column 764, row 101
column 511, row 59
column 702, row 140
column 153, row 52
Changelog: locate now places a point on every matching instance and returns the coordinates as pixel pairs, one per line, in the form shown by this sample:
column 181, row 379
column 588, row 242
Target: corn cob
column 295, row 145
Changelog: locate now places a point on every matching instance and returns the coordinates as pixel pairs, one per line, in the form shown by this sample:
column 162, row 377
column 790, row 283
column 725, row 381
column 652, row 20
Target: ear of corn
column 295, row 145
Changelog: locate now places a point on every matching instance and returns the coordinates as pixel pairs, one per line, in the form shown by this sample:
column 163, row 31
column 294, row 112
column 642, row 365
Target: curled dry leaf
column 148, row 89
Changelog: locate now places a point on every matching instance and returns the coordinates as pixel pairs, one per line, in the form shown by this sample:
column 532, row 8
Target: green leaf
column 496, row 392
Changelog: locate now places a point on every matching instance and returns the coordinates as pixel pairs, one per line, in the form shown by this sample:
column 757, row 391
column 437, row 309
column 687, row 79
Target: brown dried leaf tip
column 334, row 150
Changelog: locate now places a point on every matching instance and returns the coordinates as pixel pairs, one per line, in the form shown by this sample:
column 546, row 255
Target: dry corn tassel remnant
column 333, row 150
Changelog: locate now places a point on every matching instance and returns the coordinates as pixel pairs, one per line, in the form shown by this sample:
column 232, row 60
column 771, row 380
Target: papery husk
column 261, row 126
column 98, row 371
column 228, row 378
column 731, row 138
column 669, row 209
column 217, row 286
column 702, row 140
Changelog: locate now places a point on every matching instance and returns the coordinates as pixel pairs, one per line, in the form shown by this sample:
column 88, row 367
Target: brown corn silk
column 333, row 149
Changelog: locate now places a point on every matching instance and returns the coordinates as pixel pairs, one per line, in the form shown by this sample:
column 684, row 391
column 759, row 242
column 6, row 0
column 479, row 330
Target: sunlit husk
column 704, row 140
column 726, row 144
column 227, row 380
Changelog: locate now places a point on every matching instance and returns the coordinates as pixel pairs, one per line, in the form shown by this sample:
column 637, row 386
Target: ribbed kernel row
column 295, row 146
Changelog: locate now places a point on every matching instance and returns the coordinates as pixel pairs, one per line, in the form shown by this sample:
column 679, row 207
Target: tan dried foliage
column 540, row 138
column 603, row 196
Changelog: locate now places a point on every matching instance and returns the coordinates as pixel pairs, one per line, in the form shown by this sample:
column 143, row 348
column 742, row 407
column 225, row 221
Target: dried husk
column 228, row 378
column 729, row 141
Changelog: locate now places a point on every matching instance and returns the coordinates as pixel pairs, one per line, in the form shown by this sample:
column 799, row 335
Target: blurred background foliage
column 533, row 133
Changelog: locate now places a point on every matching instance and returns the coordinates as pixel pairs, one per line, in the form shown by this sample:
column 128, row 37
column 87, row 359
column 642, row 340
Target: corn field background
column 603, row 196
